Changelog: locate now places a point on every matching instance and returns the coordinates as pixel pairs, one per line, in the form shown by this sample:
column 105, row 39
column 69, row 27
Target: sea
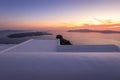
column 76, row 38
column 86, row 38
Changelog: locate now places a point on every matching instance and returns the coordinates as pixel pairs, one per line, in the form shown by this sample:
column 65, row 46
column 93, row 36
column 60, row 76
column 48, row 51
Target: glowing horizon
column 60, row 14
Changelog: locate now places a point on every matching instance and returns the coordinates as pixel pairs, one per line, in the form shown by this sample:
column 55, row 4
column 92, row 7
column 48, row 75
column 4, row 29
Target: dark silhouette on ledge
column 63, row 41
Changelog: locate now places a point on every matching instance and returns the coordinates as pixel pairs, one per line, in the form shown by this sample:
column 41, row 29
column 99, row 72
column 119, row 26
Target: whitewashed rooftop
column 6, row 46
column 35, row 45
column 59, row 66
column 47, row 60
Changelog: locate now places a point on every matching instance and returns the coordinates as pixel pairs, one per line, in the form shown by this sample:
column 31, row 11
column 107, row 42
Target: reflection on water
column 76, row 38
column 88, row 38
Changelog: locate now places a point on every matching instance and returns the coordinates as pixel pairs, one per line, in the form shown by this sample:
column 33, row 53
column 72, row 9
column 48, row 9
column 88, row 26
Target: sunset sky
column 97, row 14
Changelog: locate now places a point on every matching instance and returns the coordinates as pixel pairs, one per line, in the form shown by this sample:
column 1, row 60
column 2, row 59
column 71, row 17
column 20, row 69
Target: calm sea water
column 78, row 38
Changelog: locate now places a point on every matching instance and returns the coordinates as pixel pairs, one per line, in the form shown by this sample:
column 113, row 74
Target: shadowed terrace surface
column 39, row 60
column 59, row 66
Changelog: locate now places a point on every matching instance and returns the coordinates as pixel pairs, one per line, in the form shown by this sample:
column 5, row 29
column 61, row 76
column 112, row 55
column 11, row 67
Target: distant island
column 27, row 34
column 100, row 31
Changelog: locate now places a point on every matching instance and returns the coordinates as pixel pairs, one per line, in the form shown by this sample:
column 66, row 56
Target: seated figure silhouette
column 63, row 41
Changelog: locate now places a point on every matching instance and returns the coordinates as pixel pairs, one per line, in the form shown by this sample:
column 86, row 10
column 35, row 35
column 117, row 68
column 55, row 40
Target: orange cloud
column 108, row 21
column 102, row 27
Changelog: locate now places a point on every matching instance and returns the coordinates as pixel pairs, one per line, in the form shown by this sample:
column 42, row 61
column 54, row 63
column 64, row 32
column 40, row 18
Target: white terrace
column 47, row 60
column 35, row 45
